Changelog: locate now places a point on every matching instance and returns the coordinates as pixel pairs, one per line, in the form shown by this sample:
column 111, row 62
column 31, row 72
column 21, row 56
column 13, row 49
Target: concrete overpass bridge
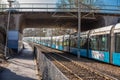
column 46, row 15
column 30, row 15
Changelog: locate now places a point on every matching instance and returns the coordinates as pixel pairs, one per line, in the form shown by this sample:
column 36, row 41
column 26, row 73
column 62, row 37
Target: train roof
column 101, row 31
column 117, row 28
column 106, row 30
column 84, row 34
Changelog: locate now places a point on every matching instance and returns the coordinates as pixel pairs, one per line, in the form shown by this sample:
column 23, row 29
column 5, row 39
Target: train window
column 103, row 42
column 60, row 43
column 66, row 42
column 94, row 43
column 57, row 42
column 99, row 43
column 117, row 43
column 83, row 43
column 73, row 43
column 54, row 41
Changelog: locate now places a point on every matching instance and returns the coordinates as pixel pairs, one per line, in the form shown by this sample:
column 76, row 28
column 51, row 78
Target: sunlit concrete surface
column 22, row 67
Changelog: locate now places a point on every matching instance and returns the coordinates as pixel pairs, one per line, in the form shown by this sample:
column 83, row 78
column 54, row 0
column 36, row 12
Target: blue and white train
column 102, row 44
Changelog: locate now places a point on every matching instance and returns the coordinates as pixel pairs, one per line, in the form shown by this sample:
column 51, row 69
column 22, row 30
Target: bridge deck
column 57, row 7
column 21, row 67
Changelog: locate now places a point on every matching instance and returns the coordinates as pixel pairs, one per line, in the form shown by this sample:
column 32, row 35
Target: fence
column 48, row 70
column 9, row 52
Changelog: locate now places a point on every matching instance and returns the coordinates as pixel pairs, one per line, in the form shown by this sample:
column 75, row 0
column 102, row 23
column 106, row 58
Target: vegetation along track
column 69, row 68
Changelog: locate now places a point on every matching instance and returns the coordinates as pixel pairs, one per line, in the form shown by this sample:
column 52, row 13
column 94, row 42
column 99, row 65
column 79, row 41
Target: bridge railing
column 56, row 7
column 38, row 7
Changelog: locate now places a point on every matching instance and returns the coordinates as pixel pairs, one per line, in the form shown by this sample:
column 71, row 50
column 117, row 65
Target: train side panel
column 116, row 59
column 99, row 55
column 83, row 52
column 60, row 47
column 74, row 50
column 53, row 46
column 66, row 49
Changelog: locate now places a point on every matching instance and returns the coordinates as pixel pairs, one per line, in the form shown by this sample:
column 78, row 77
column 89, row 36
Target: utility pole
column 79, row 27
column 51, row 37
column 8, row 23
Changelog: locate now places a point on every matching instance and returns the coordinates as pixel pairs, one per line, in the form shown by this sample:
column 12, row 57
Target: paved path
column 22, row 67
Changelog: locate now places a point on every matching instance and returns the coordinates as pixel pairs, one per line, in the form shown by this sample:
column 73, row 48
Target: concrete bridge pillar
column 110, row 20
column 2, row 21
column 17, row 21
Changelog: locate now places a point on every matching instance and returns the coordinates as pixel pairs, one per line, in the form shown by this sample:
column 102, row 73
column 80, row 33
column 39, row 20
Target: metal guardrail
column 48, row 70
column 56, row 7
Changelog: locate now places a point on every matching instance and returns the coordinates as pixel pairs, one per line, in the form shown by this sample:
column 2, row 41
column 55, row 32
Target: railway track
column 73, row 70
column 64, row 69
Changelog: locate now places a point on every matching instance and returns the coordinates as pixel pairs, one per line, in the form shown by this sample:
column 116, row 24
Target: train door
column 57, row 43
column 66, row 45
column 53, row 43
column 83, row 46
column 99, row 48
column 61, row 44
column 73, row 45
column 116, row 52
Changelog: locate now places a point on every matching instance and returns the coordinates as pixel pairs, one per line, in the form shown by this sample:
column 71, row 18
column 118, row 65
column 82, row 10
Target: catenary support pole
column 79, row 27
column 7, row 29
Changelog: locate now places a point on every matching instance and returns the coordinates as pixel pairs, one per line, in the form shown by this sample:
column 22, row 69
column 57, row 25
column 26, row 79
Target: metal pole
column 7, row 33
column 51, row 38
column 79, row 27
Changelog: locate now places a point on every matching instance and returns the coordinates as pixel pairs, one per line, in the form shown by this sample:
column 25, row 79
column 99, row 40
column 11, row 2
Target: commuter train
column 102, row 44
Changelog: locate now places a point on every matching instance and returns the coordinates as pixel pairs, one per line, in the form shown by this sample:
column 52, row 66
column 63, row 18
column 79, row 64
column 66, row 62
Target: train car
column 99, row 39
column 102, row 44
column 83, row 44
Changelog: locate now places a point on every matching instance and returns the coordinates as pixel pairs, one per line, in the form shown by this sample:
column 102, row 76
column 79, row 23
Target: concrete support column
column 2, row 22
column 110, row 20
column 17, row 18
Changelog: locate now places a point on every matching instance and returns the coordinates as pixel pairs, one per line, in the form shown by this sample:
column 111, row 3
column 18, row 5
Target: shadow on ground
column 12, row 76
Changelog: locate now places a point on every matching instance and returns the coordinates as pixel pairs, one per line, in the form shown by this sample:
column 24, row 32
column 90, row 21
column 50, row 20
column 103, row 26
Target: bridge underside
column 66, row 20
column 20, row 21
